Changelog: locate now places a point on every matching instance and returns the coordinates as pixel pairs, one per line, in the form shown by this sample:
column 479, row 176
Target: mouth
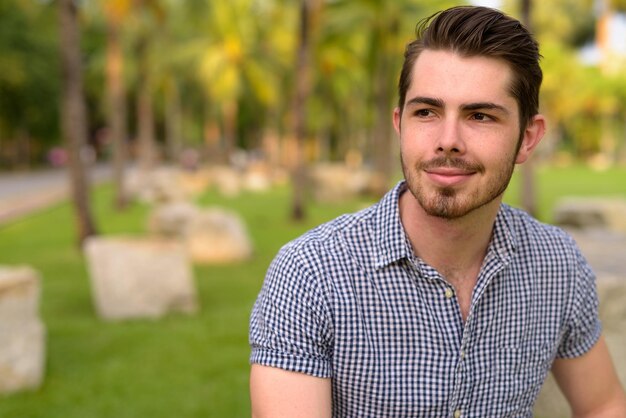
column 449, row 176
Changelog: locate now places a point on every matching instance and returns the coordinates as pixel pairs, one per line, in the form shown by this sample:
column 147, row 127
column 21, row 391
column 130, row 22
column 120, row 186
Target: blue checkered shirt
column 350, row 301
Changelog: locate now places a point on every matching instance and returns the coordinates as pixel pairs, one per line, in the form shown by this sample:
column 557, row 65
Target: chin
column 447, row 203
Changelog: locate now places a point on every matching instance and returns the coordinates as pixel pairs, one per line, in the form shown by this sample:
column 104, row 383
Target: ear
column 397, row 116
column 532, row 136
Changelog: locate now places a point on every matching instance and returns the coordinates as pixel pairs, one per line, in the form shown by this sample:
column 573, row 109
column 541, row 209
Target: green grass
column 179, row 366
column 554, row 183
column 182, row 366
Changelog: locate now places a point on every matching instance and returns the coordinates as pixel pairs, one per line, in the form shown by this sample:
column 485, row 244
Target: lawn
column 554, row 183
column 183, row 366
column 180, row 366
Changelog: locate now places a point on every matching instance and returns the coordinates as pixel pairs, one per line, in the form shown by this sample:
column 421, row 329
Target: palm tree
column 233, row 61
column 116, row 13
column 74, row 115
column 146, row 140
column 381, row 24
column 529, row 201
column 309, row 9
column 136, row 22
column 150, row 16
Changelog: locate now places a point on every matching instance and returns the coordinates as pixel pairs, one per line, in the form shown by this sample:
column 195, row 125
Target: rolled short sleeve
column 289, row 326
column 583, row 328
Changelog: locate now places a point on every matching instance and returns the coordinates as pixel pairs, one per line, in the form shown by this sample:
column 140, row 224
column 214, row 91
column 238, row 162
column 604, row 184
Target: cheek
column 413, row 142
column 505, row 161
column 410, row 152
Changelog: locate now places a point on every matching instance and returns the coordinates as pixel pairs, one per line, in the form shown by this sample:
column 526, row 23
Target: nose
column 450, row 140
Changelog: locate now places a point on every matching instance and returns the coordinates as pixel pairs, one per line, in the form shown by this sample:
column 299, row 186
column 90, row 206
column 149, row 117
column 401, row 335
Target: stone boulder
column 605, row 251
column 139, row 277
column 159, row 185
column 257, row 178
column 193, row 183
column 22, row 334
column 227, row 180
column 216, row 236
column 333, row 182
column 171, row 219
column 210, row 235
column 601, row 212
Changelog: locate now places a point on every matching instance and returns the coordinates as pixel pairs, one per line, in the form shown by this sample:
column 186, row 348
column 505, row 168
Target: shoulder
column 547, row 250
column 529, row 233
column 329, row 241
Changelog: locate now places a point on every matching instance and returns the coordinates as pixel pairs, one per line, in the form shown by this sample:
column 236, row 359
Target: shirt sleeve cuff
column 317, row 367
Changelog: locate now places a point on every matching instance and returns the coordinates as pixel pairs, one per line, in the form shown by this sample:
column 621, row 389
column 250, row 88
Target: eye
column 481, row 117
column 423, row 113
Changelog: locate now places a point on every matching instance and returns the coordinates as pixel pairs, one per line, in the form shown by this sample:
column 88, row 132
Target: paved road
column 24, row 192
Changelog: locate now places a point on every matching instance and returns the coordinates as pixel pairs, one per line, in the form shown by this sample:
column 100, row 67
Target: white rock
column 587, row 212
column 138, row 277
column 217, row 236
column 334, row 182
column 257, row 181
column 227, row 180
column 22, row 334
column 171, row 219
column 159, row 185
column 604, row 250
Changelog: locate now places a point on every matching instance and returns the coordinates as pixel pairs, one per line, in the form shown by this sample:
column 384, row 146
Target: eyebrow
column 466, row 107
column 485, row 106
column 425, row 100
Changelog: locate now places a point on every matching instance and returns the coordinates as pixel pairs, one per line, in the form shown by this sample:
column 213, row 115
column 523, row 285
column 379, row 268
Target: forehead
column 453, row 78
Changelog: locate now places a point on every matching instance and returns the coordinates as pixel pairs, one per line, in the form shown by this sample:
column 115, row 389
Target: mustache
column 451, row 162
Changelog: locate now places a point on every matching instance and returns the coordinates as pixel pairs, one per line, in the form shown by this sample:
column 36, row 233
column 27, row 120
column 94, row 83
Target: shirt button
column 457, row 413
column 449, row 293
column 462, row 354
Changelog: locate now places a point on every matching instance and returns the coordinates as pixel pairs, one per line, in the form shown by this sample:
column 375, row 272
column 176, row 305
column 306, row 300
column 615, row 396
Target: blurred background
column 278, row 113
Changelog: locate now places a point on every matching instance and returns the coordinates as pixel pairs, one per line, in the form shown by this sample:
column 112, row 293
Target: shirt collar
column 393, row 243
column 503, row 241
column 389, row 233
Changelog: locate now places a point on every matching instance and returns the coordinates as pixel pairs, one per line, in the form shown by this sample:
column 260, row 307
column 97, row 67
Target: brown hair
column 481, row 31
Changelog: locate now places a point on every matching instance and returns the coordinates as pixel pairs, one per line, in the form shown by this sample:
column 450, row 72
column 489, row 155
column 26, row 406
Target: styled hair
column 480, row 31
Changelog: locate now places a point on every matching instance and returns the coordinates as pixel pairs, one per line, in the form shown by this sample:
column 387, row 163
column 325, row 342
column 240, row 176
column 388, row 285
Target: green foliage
column 584, row 104
column 619, row 5
column 29, row 79
column 235, row 60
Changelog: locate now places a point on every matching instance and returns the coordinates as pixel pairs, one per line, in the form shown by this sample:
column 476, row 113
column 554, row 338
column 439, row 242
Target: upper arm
column 291, row 342
column 280, row 393
column 290, row 325
column 590, row 384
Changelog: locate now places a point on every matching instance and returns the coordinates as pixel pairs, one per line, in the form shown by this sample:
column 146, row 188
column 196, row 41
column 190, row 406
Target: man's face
column 459, row 131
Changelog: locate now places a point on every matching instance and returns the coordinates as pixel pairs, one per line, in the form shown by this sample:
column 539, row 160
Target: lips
column 449, row 176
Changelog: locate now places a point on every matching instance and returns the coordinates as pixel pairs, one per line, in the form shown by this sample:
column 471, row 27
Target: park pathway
column 26, row 192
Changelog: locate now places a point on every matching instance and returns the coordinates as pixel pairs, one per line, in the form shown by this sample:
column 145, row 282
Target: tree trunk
column 302, row 90
column 145, row 112
column 211, row 138
column 528, row 198
column 230, row 114
column 382, row 102
column 23, row 148
column 172, row 122
column 116, row 112
column 74, row 115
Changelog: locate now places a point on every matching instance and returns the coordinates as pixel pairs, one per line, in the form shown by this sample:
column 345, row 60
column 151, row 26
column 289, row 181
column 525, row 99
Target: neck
column 454, row 247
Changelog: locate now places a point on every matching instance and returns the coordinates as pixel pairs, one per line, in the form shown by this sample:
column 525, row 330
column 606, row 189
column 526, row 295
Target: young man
column 439, row 301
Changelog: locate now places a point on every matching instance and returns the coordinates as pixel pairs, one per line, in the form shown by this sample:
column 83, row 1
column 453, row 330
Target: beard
column 450, row 202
